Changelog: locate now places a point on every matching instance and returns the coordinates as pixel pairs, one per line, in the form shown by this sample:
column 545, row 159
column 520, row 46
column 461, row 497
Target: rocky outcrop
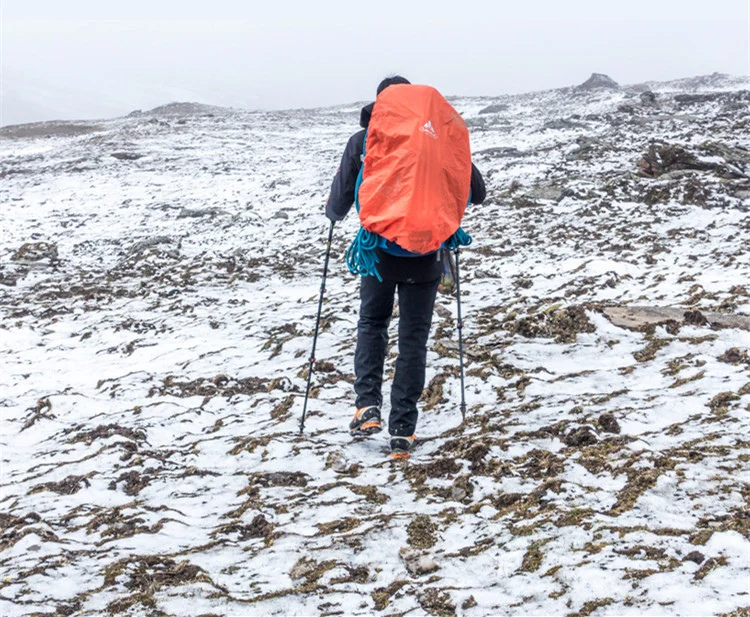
column 599, row 80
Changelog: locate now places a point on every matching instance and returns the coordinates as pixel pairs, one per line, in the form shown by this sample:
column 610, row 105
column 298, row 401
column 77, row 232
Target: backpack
column 415, row 180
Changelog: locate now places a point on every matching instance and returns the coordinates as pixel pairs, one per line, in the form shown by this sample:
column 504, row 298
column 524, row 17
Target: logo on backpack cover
column 428, row 130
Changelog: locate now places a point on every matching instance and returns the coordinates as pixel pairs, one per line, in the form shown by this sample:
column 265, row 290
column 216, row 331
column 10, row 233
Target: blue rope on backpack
column 361, row 256
column 460, row 238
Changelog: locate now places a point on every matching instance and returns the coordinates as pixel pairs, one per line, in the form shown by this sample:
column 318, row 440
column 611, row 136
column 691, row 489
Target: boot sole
column 367, row 429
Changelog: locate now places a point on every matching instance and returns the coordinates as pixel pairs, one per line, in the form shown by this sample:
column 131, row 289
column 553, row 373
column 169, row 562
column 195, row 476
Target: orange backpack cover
column 416, row 178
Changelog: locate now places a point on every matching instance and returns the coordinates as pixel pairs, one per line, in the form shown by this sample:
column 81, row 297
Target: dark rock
column 495, row 109
column 609, row 424
column 506, row 500
column 734, row 355
column 581, row 436
column 322, row 366
column 258, row 528
column 695, row 557
column 599, row 80
column 648, row 98
column 127, row 156
column 695, row 318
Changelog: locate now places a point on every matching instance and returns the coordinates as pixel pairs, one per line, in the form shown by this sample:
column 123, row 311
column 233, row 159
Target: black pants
column 416, row 302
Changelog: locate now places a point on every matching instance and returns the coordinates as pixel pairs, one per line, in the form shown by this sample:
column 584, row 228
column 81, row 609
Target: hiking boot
column 366, row 421
column 401, row 446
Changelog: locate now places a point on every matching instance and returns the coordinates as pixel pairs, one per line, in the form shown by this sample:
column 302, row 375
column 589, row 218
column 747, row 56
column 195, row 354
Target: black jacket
column 341, row 199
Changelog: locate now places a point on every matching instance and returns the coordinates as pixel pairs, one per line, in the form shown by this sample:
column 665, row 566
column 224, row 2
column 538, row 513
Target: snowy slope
column 158, row 286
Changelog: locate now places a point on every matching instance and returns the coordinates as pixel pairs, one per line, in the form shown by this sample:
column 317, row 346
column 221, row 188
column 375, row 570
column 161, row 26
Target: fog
column 84, row 59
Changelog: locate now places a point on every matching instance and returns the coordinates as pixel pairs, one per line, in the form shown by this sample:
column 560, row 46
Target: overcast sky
column 92, row 58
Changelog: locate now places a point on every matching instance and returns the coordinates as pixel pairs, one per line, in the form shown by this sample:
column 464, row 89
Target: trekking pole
column 460, row 337
column 317, row 325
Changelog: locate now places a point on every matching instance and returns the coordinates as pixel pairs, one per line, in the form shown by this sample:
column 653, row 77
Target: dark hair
column 392, row 81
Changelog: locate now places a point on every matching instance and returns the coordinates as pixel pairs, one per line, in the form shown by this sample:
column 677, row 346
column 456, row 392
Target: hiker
column 416, row 277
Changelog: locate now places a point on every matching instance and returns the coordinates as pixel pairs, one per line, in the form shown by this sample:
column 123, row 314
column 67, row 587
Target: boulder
column 638, row 317
column 648, row 98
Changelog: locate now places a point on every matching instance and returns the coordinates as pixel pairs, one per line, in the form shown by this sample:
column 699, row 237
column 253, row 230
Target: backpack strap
column 361, row 173
column 361, row 257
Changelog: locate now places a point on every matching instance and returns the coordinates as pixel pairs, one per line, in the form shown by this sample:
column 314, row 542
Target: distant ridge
column 699, row 82
column 181, row 109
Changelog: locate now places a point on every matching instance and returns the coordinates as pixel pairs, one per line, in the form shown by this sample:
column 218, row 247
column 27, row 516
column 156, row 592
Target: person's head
column 392, row 81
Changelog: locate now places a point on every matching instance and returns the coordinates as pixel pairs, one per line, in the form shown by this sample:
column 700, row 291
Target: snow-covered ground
column 157, row 312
